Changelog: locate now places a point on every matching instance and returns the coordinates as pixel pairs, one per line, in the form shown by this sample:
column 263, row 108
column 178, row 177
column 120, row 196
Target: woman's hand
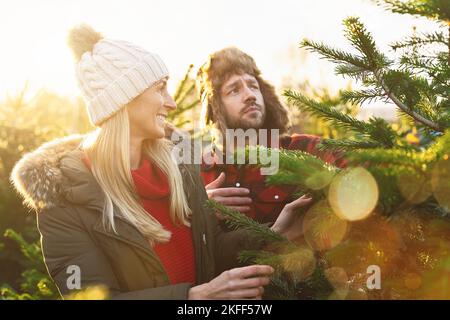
column 288, row 223
column 239, row 283
column 234, row 198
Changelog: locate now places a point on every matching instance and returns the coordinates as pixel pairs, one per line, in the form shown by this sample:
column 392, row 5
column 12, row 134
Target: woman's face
column 148, row 112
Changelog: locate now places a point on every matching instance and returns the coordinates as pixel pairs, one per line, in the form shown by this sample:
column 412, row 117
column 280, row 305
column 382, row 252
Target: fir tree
column 390, row 206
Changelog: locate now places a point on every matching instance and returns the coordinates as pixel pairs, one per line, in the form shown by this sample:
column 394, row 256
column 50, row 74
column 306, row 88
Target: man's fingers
column 251, row 271
column 253, row 293
column 300, row 202
column 228, row 192
column 216, row 183
column 234, row 201
column 247, row 283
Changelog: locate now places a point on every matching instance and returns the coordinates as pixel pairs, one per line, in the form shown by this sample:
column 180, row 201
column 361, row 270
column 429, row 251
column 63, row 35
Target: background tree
column 24, row 125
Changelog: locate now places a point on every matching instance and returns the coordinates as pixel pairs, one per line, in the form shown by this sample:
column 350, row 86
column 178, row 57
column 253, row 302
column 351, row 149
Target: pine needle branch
column 424, row 39
column 363, row 41
column 259, row 257
column 404, row 157
column 437, row 9
column 182, row 84
column 180, row 110
column 236, row 220
column 362, row 96
column 376, row 128
column 417, row 117
column 334, row 55
column 352, row 71
column 325, row 112
column 185, row 94
column 347, row 145
column 383, row 157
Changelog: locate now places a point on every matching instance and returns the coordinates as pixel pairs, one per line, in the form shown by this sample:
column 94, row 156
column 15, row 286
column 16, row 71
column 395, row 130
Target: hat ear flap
column 276, row 113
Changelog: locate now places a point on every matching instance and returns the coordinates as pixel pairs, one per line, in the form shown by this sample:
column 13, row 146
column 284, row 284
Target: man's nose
column 248, row 94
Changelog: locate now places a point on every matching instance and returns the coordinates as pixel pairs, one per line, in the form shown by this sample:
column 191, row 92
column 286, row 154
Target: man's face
column 243, row 102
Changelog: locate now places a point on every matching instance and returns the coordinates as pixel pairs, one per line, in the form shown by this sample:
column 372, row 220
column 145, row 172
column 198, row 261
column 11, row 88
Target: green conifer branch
column 334, row 55
column 402, row 157
column 352, row 71
column 404, row 108
column 347, row 145
column 437, row 37
column 236, row 220
column 363, row 41
column 182, row 84
column 362, row 96
column 434, row 9
column 376, row 128
column 182, row 109
column 185, row 94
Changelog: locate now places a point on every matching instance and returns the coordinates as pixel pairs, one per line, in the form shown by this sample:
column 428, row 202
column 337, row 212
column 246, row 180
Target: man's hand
column 288, row 223
column 239, row 283
column 234, row 198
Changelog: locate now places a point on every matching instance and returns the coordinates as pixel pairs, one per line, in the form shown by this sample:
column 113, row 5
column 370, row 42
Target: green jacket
column 54, row 180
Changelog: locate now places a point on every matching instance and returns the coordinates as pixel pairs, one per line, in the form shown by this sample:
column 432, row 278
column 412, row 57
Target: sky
column 34, row 49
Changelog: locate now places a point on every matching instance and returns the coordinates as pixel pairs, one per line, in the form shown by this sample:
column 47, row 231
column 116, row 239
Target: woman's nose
column 170, row 103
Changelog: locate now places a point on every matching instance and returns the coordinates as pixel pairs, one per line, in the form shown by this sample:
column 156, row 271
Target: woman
column 114, row 208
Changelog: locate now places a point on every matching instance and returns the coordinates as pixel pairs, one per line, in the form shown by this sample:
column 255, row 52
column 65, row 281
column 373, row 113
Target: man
column 235, row 96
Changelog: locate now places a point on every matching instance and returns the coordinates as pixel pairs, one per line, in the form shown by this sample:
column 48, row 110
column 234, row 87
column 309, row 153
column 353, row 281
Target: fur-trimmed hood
column 210, row 77
column 54, row 173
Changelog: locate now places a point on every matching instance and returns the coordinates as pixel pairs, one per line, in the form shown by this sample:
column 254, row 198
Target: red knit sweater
column 177, row 255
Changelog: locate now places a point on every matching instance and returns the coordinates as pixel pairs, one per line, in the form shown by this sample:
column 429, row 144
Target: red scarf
column 177, row 255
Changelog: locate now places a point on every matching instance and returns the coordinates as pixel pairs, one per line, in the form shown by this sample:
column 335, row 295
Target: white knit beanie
column 111, row 73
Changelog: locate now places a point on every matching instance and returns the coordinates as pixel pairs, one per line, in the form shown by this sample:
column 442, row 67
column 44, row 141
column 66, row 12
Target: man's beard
column 246, row 122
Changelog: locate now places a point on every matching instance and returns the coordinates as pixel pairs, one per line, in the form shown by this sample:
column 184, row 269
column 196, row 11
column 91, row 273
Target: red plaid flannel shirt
column 267, row 201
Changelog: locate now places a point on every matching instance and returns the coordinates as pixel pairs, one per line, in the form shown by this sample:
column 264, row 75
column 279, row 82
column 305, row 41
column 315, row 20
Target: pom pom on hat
column 82, row 39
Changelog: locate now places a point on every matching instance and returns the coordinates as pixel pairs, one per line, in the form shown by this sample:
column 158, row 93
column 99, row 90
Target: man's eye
column 233, row 91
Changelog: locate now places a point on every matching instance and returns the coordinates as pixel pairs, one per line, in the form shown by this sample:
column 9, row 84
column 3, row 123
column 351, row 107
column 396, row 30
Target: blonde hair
column 108, row 149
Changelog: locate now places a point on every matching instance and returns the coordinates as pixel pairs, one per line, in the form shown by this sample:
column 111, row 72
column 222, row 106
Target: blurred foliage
column 34, row 280
column 90, row 293
column 26, row 123
column 188, row 104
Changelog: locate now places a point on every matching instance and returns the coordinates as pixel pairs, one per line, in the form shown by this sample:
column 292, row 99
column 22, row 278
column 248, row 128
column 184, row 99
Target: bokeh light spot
column 300, row 263
column 353, row 194
column 323, row 230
